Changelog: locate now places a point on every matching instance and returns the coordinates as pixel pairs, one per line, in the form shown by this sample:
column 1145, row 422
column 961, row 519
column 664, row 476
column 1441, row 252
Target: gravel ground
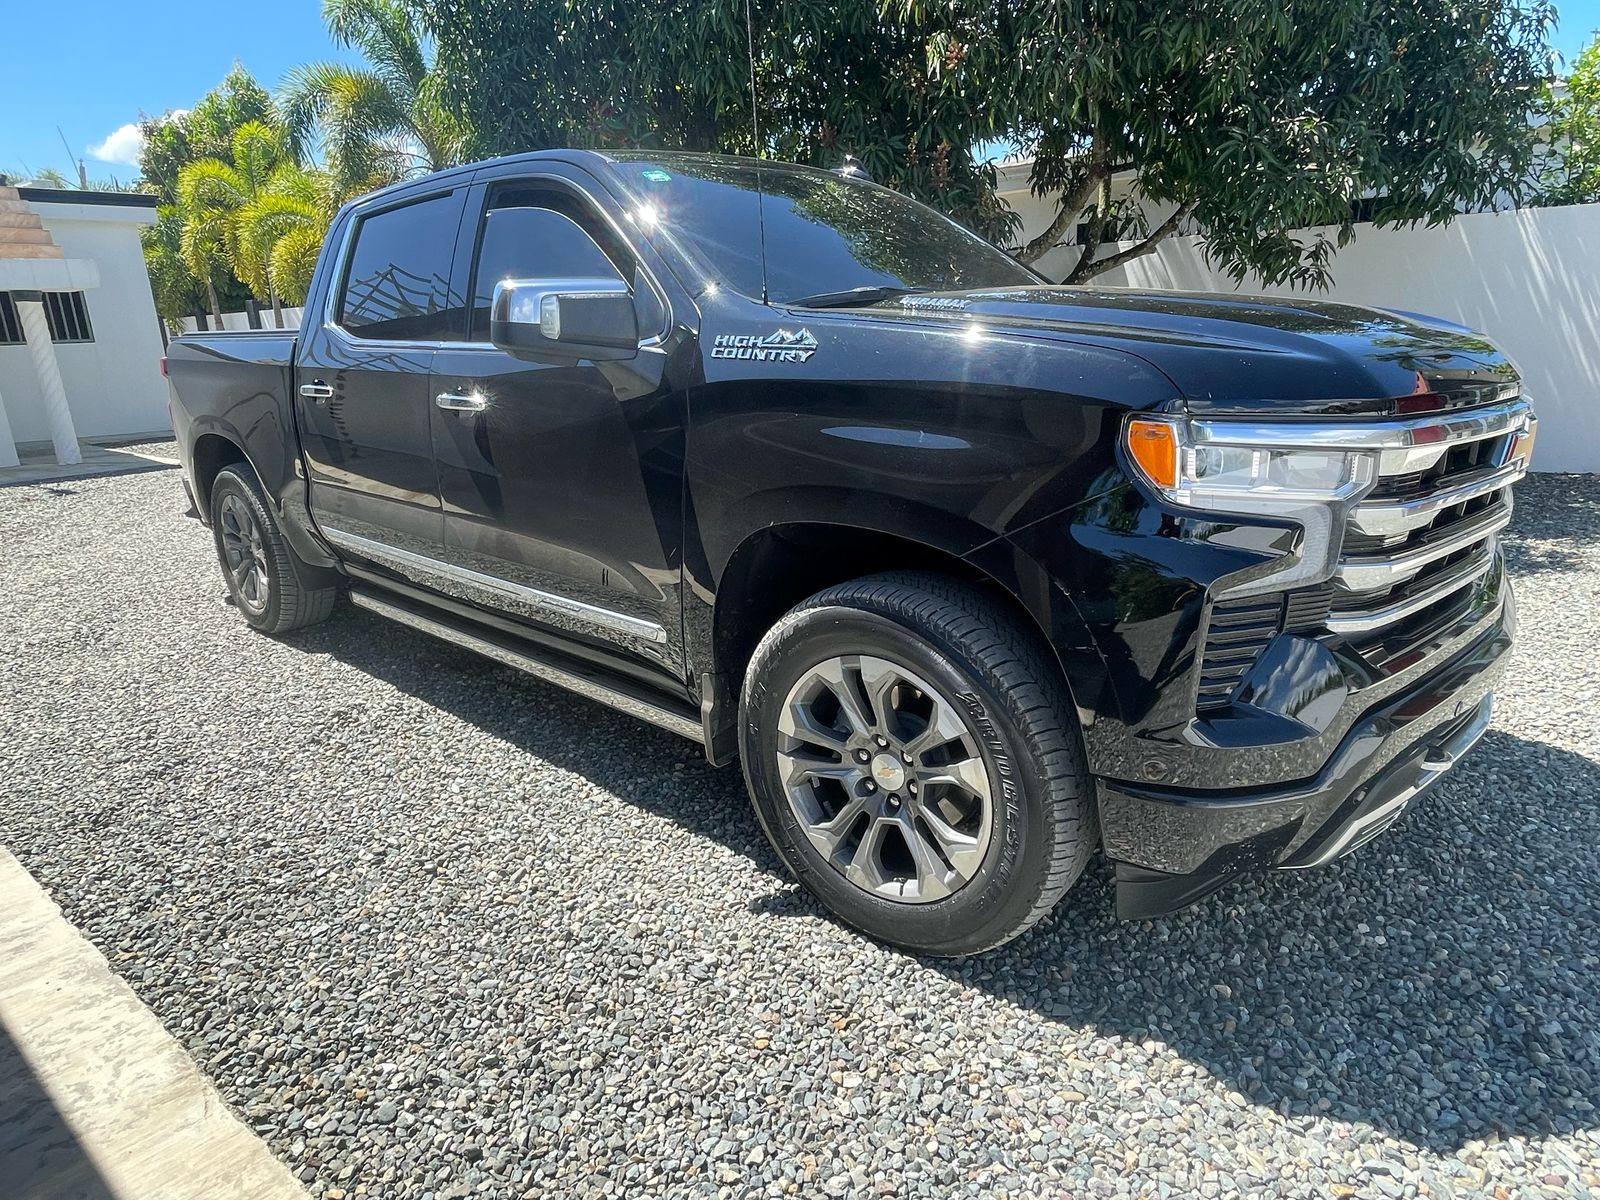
column 437, row 931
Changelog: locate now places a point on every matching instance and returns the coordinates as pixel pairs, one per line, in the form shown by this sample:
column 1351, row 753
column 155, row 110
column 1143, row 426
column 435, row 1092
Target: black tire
column 279, row 592
column 1006, row 687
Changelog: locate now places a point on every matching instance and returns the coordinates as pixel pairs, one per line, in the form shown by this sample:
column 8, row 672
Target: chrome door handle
column 462, row 401
column 316, row 391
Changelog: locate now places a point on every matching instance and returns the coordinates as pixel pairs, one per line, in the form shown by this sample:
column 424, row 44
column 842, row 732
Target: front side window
column 540, row 235
column 794, row 232
column 397, row 286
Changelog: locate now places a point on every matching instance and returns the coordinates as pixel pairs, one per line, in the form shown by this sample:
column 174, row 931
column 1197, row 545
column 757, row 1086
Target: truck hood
column 1227, row 352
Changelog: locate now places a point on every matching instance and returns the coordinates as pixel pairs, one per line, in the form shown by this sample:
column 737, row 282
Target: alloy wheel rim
column 244, row 553
column 885, row 778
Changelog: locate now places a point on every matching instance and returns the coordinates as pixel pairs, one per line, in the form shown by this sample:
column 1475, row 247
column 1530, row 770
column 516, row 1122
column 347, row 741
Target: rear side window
column 541, row 233
column 397, row 286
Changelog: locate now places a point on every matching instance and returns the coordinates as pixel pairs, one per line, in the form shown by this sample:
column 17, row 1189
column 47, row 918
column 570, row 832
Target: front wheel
column 911, row 751
column 270, row 586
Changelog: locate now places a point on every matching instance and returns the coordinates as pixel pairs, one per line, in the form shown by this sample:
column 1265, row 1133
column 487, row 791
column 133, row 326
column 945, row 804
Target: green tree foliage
column 832, row 77
column 171, row 143
column 376, row 123
column 1257, row 118
column 1250, row 118
column 176, row 139
column 177, row 292
column 1573, row 174
column 239, row 211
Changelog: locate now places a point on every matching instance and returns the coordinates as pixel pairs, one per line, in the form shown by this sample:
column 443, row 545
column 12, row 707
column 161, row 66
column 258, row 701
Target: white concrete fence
column 241, row 320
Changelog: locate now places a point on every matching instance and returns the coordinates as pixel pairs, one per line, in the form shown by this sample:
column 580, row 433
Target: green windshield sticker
column 655, row 175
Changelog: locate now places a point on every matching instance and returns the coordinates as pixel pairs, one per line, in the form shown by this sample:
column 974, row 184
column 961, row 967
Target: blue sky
column 92, row 66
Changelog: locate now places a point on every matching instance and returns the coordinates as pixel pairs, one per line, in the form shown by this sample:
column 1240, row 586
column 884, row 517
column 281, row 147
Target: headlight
column 1224, row 473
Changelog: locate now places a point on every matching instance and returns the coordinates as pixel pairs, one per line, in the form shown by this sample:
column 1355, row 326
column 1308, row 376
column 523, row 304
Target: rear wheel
column 913, row 756
column 271, row 587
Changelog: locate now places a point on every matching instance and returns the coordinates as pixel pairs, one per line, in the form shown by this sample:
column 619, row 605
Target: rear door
column 362, row 384
column 563, row 495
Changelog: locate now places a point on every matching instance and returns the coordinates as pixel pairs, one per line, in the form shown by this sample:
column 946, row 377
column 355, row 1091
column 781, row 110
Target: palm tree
column 232, row 210
column 376, row 123
column 284, row 226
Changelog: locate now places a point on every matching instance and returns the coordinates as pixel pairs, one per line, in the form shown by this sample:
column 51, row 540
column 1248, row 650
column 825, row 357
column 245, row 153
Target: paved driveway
column 434, row 929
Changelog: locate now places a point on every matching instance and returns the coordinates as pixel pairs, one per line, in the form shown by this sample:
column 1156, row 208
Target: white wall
column 114, row 385
column 241, row 320
column 1529, row 280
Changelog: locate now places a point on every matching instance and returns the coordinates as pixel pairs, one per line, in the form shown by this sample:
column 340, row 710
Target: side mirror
column 564, row 320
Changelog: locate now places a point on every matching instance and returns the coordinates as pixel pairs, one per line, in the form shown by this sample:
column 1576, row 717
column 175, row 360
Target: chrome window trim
column 336, row 286
column 347, row 236
column 592, row 614
column 655, row 339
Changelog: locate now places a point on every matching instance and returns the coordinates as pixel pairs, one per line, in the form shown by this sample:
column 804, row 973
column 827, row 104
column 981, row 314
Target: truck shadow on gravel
column 1438, row 986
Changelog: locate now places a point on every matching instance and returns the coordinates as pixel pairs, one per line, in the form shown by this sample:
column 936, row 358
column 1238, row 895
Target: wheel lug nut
column 912, row 787
column 881, row 740
column 905, row 757
column 871, row 787
column 893, row 801
column 862, row 756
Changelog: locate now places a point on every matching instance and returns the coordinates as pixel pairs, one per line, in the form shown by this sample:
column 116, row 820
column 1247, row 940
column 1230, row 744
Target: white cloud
column 123, row 146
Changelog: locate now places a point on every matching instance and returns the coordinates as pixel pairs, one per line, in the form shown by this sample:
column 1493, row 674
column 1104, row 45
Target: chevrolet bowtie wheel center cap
column 889, row 772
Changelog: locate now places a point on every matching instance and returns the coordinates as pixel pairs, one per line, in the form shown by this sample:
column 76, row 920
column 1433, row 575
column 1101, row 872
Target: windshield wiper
column 850, row 297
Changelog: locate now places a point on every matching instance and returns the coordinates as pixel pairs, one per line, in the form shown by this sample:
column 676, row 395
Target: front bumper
column 1172, row 847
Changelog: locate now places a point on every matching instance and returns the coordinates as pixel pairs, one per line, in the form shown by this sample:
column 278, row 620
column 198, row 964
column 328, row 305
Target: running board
column 590, row 688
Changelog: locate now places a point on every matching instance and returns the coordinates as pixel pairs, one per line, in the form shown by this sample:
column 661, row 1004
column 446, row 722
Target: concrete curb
column 97, row 1100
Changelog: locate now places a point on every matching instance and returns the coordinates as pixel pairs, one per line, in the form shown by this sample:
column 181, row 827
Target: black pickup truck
column 975, row 574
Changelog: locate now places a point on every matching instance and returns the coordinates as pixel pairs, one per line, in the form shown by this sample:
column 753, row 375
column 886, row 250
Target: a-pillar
column 36, row 330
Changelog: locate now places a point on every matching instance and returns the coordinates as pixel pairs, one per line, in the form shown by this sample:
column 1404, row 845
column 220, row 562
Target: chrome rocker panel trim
column 591, row 614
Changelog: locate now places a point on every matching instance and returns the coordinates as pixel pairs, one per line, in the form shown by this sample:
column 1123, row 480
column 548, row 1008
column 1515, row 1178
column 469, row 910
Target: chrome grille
column 1426, row 531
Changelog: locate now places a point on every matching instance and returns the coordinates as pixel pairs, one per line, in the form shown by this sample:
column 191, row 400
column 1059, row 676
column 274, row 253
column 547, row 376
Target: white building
column 80, row 345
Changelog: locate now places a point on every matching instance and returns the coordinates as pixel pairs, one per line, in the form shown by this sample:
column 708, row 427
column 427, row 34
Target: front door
column 562, row 484
column 363, row 386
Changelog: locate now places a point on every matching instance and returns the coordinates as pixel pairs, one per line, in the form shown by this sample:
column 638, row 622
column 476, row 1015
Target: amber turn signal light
column 1153, row 445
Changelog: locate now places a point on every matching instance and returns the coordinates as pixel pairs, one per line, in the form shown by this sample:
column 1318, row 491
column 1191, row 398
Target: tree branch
column 1097, row 229
column 1157, row 235
column 1072, row 206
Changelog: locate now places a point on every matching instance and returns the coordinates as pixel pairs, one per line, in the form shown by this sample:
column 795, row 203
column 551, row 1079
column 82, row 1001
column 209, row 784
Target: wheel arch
column 211, row 453
column 775, row 567
column 218, row 445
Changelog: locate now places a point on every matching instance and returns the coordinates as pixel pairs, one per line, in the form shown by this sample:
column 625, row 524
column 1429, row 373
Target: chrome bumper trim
column 1434, row 765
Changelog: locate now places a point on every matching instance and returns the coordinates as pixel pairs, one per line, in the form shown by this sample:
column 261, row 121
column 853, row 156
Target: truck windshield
column 827, row 237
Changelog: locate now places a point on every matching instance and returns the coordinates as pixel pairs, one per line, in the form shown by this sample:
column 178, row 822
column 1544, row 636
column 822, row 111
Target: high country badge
column 777, row 346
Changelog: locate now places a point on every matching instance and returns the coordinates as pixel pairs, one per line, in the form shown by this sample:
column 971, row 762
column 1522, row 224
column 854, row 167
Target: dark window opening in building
column 65, row 314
